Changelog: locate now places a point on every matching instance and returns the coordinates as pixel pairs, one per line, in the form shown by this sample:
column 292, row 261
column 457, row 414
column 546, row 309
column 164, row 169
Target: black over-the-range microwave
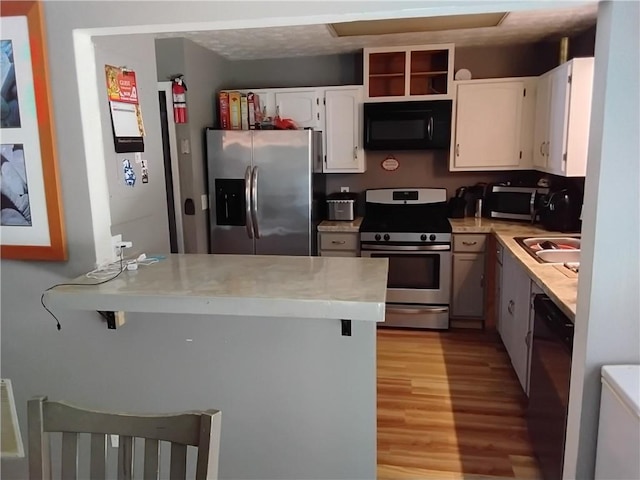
column 418, row 125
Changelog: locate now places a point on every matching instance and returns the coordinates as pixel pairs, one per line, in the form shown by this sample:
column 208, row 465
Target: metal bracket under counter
column 114, row 319
column 346, row 327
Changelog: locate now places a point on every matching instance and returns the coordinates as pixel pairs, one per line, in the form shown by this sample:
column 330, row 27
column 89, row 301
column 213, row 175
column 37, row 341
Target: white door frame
column 175, row 170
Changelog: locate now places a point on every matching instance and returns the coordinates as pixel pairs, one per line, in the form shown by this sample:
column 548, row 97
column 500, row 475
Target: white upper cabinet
column 336, row 111
column 562, row 119
column 343, row 149
column 541, row 129
column 419, row 72
column 493, row 124
column 302, row 106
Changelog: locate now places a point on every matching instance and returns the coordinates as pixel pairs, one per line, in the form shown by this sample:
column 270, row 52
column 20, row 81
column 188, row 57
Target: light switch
column 205, row 201
column 184, row 145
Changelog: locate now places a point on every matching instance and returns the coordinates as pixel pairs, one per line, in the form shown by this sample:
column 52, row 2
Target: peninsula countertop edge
column 241, row 285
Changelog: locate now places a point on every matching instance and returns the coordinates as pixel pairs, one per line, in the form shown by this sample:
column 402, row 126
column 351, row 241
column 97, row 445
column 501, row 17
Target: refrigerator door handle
column 254, row 202
column 247, row 200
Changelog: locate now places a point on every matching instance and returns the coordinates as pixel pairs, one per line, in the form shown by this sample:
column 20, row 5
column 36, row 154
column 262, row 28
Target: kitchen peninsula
column 296, row 385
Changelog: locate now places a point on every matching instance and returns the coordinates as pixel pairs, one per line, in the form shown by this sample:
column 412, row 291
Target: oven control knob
column 386, row 237
column 378, row 237
column 423, row 237
column 432, row 237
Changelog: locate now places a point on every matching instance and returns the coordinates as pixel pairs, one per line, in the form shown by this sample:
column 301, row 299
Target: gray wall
column 205, row 74
column 417, row 169
column 316, row 71
column 608, row 313
column 139, row 213
column 87, row 364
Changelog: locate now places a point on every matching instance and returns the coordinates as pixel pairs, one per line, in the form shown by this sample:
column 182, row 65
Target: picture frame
column 31, row 224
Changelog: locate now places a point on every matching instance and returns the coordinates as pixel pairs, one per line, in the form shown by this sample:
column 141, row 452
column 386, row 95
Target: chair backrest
column 198, row 429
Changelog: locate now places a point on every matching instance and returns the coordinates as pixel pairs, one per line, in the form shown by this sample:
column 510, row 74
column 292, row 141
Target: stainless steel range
column 409, row 226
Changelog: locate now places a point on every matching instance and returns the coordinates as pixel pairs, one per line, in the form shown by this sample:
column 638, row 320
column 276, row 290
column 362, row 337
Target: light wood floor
column 449, row 407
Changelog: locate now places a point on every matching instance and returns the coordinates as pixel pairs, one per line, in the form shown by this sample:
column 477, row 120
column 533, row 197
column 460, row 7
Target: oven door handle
column 408, row 248
column 417, row 311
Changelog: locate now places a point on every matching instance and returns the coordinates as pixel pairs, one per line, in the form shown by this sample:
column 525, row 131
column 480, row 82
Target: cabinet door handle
column 338, row 242
column 482, row 280
column 510, row 307
column 457, row 149
column 355, row 152
column 547, row 149
column 468, row 244
column 541, row 149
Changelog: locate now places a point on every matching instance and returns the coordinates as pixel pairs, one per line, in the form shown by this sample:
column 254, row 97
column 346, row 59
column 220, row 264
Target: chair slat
column 151, row 457
column 69, row 456
column 39, row 457
column 98, row 456
column 178, row 469
column 125, row 458
column 209, row 447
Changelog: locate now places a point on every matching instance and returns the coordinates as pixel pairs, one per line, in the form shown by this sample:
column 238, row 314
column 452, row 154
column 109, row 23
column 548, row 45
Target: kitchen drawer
column 469, row 243
column 339, row 241
column 338, row 253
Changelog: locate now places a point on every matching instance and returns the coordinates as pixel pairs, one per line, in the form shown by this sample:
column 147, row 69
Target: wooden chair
column 199, row 429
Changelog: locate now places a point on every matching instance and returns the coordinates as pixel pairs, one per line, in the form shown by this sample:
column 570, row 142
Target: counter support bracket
column 114, row 319
column 346, row 327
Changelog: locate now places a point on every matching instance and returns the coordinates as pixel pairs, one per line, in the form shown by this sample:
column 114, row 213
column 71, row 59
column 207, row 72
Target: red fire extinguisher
column 179, row 91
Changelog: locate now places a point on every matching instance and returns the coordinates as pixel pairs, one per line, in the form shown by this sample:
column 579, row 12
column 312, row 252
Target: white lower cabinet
column 468, row 276
column 515, row 324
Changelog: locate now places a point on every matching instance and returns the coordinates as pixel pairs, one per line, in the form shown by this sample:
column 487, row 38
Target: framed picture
column 31, row 223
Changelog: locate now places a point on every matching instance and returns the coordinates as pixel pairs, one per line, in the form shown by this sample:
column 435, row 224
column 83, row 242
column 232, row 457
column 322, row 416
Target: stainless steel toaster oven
column 341, row 206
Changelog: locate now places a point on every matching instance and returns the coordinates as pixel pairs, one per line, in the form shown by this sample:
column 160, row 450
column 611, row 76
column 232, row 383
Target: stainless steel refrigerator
column 267, row 191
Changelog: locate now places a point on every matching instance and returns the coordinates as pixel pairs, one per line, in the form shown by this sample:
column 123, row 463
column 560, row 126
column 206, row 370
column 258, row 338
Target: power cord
column 58, row 326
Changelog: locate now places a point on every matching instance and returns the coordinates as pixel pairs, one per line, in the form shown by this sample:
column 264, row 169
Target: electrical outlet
column 115, row 249
column 344, row 189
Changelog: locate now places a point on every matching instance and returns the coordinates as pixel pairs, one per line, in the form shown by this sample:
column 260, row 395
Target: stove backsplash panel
column 424, row 169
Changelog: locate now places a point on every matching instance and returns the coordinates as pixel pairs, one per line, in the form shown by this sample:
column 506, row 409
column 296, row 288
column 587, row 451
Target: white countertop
column 342, row 226
column 246, row 285
column 559, row 284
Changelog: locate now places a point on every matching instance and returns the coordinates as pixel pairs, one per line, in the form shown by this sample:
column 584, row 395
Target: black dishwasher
column 549, row 385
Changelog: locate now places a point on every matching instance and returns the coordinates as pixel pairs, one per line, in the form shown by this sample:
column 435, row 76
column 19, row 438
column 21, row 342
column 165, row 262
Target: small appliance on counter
column 512, row 202
column 467, row 201
column 457, row 204
column 560, row 211
column 341, row 206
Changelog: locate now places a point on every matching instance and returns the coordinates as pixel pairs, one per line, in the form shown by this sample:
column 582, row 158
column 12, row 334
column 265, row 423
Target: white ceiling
column 308, row 40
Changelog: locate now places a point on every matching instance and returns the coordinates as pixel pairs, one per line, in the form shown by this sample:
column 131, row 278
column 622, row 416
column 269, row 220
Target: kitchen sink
column 559, row 250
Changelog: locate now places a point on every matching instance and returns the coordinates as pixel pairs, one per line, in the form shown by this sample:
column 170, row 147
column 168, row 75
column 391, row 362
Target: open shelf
column 428, row 73
column 376, row 75
column 409, row 72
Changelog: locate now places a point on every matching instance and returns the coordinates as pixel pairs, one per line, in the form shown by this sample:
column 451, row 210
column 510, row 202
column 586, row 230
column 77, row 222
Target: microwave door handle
column 532, row 206
column 247, row 200
column 430, row 128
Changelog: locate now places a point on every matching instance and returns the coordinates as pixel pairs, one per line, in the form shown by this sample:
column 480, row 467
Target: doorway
column 171, row 168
